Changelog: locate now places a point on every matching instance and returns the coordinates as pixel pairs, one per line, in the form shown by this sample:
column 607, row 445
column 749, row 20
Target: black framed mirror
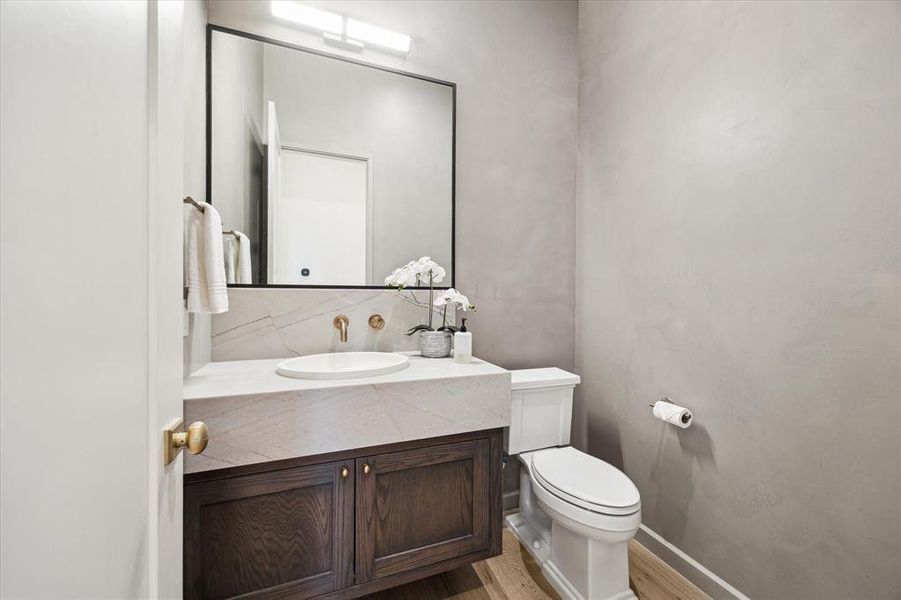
column 328, row 172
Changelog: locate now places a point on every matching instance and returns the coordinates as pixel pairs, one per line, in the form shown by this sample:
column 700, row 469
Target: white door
column 323, row 217
column 90, row 300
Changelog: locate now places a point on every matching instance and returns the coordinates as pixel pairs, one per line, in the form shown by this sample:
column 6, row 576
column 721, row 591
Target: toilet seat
column 585, row 481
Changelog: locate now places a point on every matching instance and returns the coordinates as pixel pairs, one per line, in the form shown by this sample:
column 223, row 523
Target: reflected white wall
column 237, row 148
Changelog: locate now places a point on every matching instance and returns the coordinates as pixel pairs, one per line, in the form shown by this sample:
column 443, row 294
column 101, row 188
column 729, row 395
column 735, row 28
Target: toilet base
column 578, row 567
column 594, row 569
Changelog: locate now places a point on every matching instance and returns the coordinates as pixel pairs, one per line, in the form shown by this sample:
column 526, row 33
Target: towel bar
column 195, row 204
column 192, row 202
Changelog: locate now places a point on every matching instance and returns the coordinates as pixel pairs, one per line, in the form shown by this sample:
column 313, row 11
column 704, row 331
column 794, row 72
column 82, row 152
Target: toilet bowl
column 576, row 512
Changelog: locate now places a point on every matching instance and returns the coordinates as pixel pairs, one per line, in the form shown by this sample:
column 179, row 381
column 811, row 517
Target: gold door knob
column 366, row 468
column 345, row 472
column 194, row 439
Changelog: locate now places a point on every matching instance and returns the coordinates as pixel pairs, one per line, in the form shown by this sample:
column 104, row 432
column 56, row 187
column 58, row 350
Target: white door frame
column 165, row 222
column 273, row 183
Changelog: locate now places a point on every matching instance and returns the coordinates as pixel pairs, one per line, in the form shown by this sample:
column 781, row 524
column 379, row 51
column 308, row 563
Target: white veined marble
column 257, row 416
column 282, row 323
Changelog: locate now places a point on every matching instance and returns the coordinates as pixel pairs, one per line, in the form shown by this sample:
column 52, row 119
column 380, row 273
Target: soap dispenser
column 463, row 345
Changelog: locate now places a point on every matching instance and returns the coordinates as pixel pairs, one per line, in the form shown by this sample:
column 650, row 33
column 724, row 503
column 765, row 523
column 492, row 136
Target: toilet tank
column 542, row 409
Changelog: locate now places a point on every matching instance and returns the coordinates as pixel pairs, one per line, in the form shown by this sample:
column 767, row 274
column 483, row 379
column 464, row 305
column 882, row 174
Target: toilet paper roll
column 672, row 413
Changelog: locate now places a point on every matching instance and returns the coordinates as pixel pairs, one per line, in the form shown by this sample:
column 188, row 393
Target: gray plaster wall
column 738, row 251
column 515, row 67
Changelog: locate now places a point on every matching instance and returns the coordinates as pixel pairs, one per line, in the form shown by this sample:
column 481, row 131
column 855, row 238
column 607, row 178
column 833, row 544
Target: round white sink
column 343, row 365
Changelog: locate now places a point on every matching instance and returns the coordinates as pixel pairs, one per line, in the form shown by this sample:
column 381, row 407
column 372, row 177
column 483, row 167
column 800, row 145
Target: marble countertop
column 246, row 377
column 255, row 415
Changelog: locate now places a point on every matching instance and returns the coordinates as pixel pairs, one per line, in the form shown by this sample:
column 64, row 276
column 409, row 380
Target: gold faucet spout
column 340, row 323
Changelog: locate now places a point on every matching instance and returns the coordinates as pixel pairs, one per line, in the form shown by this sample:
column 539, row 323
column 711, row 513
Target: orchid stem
column 431, row 293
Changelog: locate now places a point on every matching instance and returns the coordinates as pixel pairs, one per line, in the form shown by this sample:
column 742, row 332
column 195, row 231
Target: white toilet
column 576, row 512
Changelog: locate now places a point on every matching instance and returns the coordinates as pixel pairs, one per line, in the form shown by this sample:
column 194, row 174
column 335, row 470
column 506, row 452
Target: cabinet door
column 280, row 533
column 419, row 507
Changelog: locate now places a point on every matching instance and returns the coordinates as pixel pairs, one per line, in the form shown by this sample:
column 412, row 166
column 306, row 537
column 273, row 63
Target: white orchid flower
column 440, row 300
column 402, row 277
column 424, row 271
column 427, row 270
column 452, row 296
column 465, row 304
column 453, row 299
column 438, row 273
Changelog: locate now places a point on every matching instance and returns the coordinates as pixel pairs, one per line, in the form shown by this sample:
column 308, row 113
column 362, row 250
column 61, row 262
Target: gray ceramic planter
column 435, row 344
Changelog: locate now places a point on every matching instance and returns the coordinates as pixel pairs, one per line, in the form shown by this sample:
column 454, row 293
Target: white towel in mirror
column 237, row 257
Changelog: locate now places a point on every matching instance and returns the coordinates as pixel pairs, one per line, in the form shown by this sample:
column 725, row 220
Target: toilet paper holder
column 685, row 418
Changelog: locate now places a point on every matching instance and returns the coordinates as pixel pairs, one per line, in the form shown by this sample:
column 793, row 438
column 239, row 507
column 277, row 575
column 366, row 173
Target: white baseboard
column 705, row 579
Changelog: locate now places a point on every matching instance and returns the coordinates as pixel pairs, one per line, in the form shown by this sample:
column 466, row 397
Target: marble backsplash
column 285, row 322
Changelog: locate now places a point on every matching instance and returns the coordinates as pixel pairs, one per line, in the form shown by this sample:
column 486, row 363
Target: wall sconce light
column 308, row 16
column 399, row 42
column 339, row 30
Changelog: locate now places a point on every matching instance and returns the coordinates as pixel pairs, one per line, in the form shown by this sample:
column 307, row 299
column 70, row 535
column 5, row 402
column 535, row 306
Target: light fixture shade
column 378, row 36
column 344, row 43
column 308, row 16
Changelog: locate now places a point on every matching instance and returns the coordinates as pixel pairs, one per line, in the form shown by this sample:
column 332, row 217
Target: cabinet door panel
column 418, row 507
column 287, row 532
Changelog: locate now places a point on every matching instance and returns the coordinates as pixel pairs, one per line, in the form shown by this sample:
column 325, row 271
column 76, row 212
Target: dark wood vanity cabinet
column 289, row 532
column 418, row 507
column 355, row 523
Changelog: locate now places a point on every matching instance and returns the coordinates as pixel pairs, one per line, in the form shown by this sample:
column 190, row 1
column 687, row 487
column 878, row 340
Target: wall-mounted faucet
column 340, row 323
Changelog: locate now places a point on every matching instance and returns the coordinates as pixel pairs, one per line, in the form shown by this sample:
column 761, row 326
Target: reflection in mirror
column 329, row 172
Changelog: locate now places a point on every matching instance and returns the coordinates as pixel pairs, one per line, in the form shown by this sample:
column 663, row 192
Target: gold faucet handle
column 377, row 322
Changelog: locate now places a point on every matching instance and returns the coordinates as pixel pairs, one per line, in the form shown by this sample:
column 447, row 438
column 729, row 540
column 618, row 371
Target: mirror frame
column 209, row 143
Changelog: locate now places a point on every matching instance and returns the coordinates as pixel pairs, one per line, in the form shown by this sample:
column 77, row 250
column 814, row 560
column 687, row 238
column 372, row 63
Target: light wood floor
column 514, row 575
